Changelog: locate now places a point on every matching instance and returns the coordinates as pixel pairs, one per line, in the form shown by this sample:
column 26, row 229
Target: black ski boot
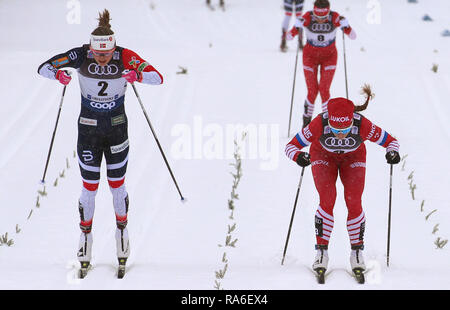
column 121, row 270
column 357, row 263
column 320, row 264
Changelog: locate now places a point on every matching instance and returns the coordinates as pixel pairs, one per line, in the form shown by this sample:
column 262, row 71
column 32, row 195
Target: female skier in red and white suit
column 337, row 147
column 320, row 27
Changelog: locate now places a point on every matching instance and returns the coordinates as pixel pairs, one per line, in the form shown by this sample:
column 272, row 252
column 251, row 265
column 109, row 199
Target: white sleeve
column 151, row 77
column 299, row 22
column 343, row 22
column 48, row 71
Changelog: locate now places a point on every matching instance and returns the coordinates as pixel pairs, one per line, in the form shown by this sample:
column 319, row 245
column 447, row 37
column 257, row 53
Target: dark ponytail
column 322, row 4
column 104, row 28
column 365, row 90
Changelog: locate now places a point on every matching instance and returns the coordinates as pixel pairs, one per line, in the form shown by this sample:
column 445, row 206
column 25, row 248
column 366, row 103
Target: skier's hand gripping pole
column 67, row 73
column 183, row 199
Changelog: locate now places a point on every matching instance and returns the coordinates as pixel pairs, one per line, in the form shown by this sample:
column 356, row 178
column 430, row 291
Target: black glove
column 303, row 159
column 393, row 157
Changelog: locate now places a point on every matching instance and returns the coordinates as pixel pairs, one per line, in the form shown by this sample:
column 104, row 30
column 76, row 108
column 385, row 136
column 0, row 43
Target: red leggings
column 326, row 58
column 351, row 168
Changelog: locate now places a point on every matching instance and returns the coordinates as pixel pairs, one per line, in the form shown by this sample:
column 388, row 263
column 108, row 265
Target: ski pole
column 183, row 199
column 292, row 216
column 389, row 216
column 293, row 89
column 53, row 136
column 345, row 65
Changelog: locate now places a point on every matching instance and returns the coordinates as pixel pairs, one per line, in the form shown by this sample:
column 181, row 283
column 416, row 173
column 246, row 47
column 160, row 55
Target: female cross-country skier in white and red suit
column 103, row 71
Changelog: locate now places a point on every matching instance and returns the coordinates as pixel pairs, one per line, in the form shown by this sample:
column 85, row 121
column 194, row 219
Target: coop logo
column 103, row 106
column 321, row 27
column 335, row 142
column 341, row 119
column 95, row 69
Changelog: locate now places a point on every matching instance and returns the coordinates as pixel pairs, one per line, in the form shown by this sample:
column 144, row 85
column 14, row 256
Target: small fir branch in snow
column 411, row 175
column 229, row 242
column 231, row 228
column 74, row 154
column 435, row 229
column 429, row 214
column 61, row 175
column 434, row 68
column 18, row 230
column 440, row 243
column 412, row 188
column 37, row 202
column 152, row 6
column 67, row 163
column 403, row 166
column 29, row 215
column 55, row 183
column 221, row 273
column 182, row 70
column 421, row 205
column 217, row 285
column 4, row 240
column 42, row 192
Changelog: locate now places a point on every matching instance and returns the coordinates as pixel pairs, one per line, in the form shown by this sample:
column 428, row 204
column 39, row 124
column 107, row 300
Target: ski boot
column 357, row 263
column 283, row 46
column 123, row 249
column 320, row 264
column 121, row 270
column 84, row 253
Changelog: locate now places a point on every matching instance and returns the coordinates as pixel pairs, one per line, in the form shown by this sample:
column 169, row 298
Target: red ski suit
column 347, row 157
column 320, row 50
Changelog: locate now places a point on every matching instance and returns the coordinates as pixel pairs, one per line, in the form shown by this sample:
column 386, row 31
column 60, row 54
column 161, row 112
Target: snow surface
column 236, row 75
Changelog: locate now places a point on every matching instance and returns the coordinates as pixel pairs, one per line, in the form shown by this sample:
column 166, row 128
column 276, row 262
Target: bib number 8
column 321, row 37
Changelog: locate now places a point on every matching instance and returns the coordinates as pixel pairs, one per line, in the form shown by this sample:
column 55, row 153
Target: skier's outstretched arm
column 52, row 68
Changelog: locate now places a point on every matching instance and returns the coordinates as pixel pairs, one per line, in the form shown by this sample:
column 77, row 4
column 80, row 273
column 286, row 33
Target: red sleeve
column 133, row 61
column 304, row 138
column 336, row 19
column 306, row 19
column 373, row 133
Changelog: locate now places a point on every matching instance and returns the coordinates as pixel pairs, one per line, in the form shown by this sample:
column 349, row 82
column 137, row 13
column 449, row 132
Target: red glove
column 63, row 77
column 132, row 76
column 291, row 34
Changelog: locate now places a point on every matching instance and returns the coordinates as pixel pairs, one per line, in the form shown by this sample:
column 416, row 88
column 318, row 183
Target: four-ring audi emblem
column 94, row 68
column 335, row 142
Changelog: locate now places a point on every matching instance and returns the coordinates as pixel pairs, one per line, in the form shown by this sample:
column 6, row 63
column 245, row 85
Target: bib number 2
column 104, row 86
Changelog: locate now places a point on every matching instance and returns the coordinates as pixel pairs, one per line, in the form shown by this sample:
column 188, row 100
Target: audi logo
column 321, row 27
column 94, row 68
column 335, row 142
